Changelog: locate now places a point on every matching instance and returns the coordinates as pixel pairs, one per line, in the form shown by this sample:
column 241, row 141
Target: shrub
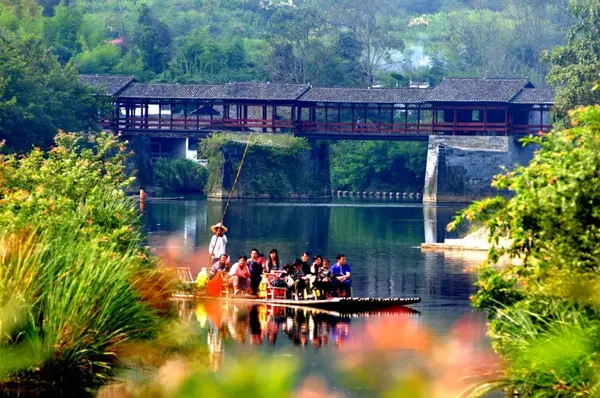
column 545, row 314
column 71, row 259
column 182, row 175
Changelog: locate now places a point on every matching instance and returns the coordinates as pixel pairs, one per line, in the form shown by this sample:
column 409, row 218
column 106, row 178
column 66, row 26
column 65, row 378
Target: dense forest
column 324, row 42
column 352, row 43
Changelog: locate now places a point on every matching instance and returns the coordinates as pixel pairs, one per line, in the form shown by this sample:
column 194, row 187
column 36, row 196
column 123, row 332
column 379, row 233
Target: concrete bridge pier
column 460, row 169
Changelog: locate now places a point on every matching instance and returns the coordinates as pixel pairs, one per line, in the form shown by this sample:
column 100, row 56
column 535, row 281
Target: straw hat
column 218, row 225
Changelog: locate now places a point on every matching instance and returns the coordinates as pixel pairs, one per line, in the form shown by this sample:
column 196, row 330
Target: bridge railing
column 182, row 124
column 363, row 127
column 193, row 123
column 530, row 129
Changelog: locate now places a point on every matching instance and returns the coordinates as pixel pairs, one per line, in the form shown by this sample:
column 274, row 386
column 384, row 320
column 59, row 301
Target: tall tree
column 62, row 30
column 296, row 38
column 152, row 38
column 37, row 96
column 576, row 66
column 371, row 26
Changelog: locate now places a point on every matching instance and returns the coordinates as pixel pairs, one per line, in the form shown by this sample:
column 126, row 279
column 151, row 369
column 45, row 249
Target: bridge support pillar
column 141, row 163
column 461, row 169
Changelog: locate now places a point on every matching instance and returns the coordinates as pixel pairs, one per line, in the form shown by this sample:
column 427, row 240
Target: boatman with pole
column 218, row 243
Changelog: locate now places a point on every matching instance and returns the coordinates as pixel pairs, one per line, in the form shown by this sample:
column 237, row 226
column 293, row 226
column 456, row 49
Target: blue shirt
column 336, row 270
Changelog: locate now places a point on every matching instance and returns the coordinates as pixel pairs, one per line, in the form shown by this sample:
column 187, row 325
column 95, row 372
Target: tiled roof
column 167, row 91
column 477, row 90
column 241, row 91
column 109, row 84
column 535, row 96
column 370, row 96
column 516, row 91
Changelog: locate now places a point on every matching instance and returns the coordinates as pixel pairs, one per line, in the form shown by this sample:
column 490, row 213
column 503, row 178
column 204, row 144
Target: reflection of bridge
column 467, row 107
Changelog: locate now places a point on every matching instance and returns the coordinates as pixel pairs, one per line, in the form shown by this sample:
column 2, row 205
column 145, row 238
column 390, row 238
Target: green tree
column 298, row 49
column 62, row 29
column 576, row 66
column 22, row 16
column 545, row 313
column 371, row 27
column 153, row 40
column 361, row 165
column 34, row 92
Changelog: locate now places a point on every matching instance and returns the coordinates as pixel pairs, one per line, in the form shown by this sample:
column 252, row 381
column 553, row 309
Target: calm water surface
column 380, row 240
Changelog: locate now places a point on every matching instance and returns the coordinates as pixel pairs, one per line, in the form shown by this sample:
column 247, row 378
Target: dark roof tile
column 232, row 91
column 367, row 96
column 109, row 84
column 477, row 90
column 535, row 96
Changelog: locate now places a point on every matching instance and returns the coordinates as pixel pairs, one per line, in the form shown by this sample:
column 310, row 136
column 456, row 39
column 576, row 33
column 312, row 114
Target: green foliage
column 182, row 175
column 61, row 31
column 296, row 36
column 70, row 260
column 282, row 378
column 362, row 165
column 276, row 165
column 576, row 66
column 494, row 39
column 329, row 42
column 545, row 313
column 153, row 40
column 99, row 60
column 33, row 92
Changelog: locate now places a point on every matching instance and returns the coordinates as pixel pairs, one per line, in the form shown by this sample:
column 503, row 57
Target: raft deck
column 345, row 305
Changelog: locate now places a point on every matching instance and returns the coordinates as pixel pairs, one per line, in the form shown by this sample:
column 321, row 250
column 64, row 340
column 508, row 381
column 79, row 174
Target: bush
column 373, row 165
column 545, row 314
column 71, row 260
column 182, row 175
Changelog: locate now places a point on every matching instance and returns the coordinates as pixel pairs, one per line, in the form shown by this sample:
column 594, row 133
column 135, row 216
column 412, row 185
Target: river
column 381, row 242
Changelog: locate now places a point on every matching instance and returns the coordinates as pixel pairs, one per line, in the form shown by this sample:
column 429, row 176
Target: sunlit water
column 381, row 242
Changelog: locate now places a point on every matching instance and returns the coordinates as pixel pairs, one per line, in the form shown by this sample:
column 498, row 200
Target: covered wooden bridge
column 474, row 106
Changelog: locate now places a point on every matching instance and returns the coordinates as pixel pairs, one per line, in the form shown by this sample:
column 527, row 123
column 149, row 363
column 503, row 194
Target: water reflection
column 262, row 324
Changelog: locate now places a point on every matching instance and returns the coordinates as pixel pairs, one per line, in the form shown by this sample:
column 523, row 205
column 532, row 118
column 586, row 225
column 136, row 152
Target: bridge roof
column 535, row 96
column 110, row 85
column 231, row 91
column 501, row 90
column 366, row 96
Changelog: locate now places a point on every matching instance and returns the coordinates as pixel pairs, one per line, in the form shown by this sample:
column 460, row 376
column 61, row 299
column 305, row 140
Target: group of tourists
column 303, row 279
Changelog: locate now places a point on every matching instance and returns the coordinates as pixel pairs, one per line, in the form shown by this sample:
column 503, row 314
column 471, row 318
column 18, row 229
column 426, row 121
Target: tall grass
column 78, row 299
column 72, row 264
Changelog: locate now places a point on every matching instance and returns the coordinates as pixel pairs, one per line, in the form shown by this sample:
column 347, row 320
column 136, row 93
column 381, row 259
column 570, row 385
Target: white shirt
column 217, row 246
column 234, row 269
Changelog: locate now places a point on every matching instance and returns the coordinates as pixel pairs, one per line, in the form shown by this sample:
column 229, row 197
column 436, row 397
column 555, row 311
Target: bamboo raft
column 344, row 305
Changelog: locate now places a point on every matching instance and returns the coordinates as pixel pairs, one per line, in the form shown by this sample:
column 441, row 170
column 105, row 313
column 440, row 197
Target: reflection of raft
column 344, row 305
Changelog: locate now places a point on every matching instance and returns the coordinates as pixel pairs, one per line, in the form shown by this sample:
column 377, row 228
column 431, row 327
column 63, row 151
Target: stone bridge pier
column 460, row 169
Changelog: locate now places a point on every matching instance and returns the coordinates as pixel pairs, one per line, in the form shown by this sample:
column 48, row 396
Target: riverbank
column 477, row 241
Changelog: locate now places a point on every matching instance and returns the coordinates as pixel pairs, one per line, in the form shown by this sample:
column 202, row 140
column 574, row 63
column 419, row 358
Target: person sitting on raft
column 303, row 260
column 299, row 279
column 341, row 273
column 272, row 263
column 220, row 266
column 323, row 282
column 256, row 270
column 239, row 276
